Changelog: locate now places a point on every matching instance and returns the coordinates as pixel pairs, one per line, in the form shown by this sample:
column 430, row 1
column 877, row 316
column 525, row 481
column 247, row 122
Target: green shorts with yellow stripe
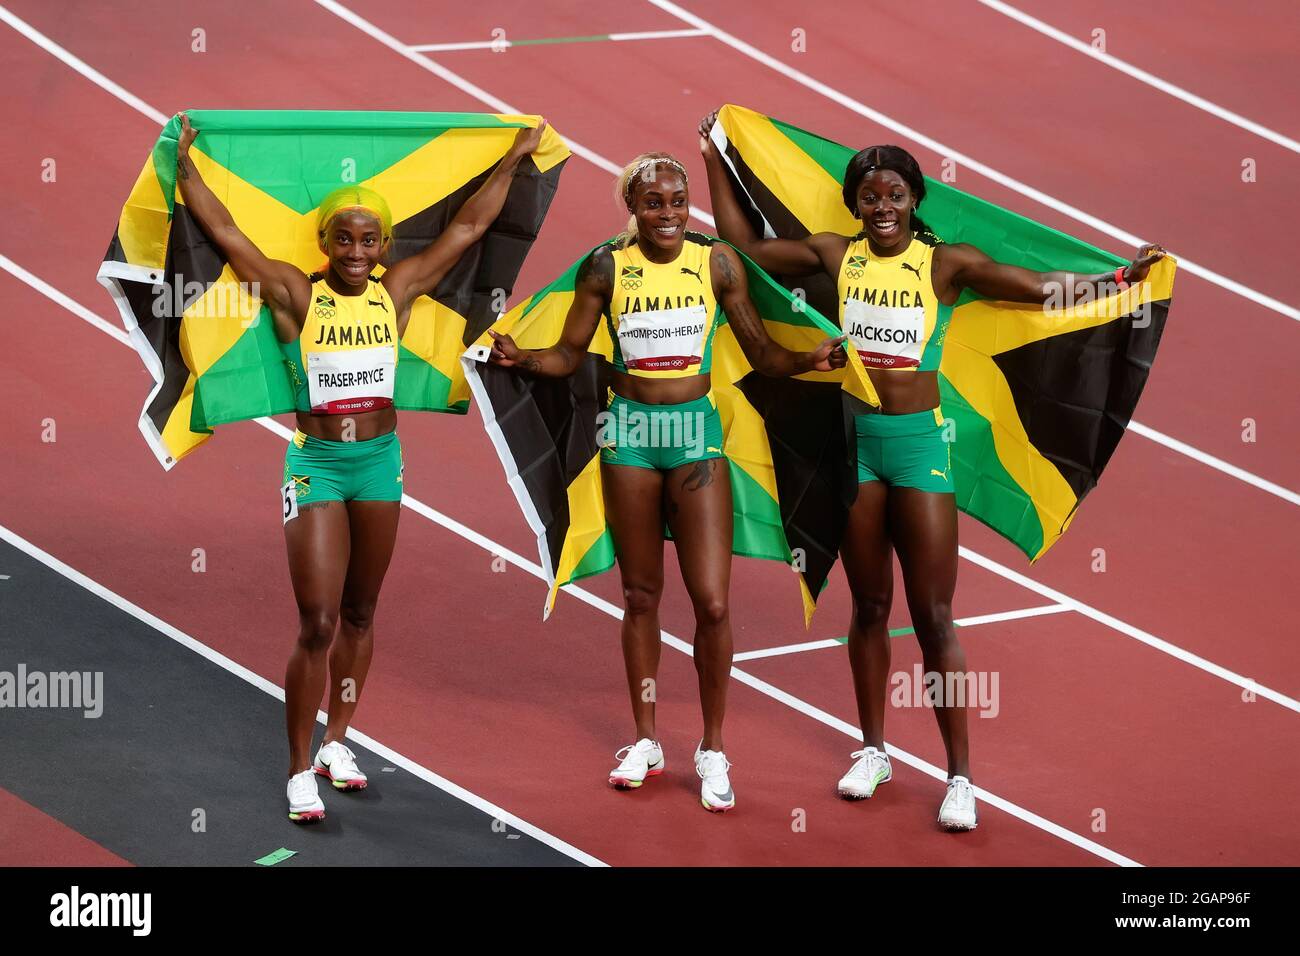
column 663, row 437
column 905, row 451
column 323, row 470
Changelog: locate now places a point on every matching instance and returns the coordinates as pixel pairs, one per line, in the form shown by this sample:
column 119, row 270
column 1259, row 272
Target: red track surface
column 468, row 682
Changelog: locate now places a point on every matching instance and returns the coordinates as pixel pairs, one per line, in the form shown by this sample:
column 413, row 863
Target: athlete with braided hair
column 897, row 283
column 661, row 292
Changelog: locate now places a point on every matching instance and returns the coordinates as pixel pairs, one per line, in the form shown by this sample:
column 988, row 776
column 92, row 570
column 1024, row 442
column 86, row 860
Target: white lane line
column 505, row 44
column 89, row 72
column 499, row 550
column 960, row 622
column 1219, row 464
column 591, row 156
column 972, row 556
column 824, row 644
column 1141, row 75
column 262, row 684
column 969, row 162
column 1101, row 617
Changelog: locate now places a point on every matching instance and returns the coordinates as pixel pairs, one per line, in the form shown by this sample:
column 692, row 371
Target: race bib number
column 885, row 337
column 289, row 498
column 351, row 380
column 668, row 340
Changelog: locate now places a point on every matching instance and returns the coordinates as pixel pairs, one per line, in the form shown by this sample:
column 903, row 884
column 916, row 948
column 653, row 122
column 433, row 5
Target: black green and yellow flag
column 212, row 348
column 1038, row 398
column 791, row 478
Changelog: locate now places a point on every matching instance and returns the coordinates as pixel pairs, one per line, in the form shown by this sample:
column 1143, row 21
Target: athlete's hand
column 504, row 351
column 830, row 355
column 188, row 133
column 527, row 140
column 707, row 149
column 1147, row 256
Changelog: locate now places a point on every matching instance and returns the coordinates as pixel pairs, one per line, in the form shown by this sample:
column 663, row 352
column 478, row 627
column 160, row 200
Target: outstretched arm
column 281, row 285
column 787, row 257
column 961, row 266
column 591, row 294
column 420, row 274
column 731, row 285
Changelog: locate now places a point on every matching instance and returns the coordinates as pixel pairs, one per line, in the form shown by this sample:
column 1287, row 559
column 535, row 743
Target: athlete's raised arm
column 419, row 274
column 788, row 257
column 591, row 294
column 280, row 285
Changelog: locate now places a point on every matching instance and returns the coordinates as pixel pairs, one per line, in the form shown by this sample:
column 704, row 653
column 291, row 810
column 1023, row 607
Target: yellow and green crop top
column 889, row 309
column 346, row 357
column 662, row 315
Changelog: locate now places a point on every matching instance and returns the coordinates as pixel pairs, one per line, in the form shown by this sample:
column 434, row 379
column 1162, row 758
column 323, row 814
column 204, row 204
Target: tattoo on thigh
column 701, row 475
column 312, row 504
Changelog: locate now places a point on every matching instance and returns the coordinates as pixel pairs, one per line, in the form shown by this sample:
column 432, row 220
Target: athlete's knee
column 316, row 629
column 641, row 598
column 358, row 615
column 871, row 609
column 934, row 627
column 711, row 611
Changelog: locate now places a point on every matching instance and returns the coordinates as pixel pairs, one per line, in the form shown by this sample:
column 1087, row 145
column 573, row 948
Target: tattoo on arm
column 183, row 168
column 745, row 321
column 530, row 363
column 725, row 269
column 598, row 271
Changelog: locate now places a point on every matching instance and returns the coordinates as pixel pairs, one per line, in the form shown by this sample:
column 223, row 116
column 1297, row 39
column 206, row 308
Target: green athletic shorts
column 659, row 436
column 316, row 469
column 904, row 451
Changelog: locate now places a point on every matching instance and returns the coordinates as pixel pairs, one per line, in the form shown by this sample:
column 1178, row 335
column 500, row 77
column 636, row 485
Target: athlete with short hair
column 897, row 284
column 339, row 329
column 661, row 292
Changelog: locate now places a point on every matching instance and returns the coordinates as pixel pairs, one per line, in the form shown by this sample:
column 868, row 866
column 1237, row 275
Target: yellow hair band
column 352, row 199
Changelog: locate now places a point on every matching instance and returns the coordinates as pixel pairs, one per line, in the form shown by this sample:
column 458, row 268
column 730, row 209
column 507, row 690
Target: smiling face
column 661, row 206
column 354, row 243
column 885, row 204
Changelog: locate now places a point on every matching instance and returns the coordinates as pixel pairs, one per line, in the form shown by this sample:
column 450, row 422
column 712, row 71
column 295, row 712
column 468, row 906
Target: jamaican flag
column 1037, row 398
column 211, row 347
column 791, row 477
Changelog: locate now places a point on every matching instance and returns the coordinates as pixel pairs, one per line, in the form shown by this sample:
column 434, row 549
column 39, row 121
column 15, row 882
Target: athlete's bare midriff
column 661, row 391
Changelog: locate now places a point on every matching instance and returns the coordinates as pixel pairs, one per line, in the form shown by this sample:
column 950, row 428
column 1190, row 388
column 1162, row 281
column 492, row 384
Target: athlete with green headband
column 897, row 283
column 342, row 486
column 661, row 292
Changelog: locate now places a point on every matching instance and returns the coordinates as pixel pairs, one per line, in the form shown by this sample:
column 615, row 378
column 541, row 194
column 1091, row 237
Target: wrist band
column 1119, row 277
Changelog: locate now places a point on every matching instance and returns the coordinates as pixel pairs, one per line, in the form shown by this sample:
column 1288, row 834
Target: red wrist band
column 1119, row 277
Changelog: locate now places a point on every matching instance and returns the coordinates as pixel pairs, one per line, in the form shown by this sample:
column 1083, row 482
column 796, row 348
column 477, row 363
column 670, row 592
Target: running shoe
column 337, row 762
column 958, row 809
column 645, row 758
column 716, row 794
column 870, row 771
column 304, row 802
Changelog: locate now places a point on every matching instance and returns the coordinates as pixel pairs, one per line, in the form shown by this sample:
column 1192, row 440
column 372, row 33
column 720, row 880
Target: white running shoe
column 716, row 794
column 645, row 758
column 958, row 809
column 870, row 771
column 337, row 762
column 304, row 802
